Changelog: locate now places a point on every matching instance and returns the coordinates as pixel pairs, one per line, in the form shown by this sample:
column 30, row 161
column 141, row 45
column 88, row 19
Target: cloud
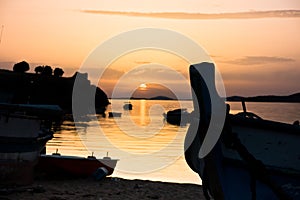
column 201, row 16
column 112, row 74
column 258, row 60
column 142, row 62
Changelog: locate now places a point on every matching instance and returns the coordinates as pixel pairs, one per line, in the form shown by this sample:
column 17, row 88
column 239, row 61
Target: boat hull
column 274, row 170
column 73, row 166
column 179, row 117
column 18, row 158
column 127, row 106
column 24, row 132
column 236, row 180
column 114, row 114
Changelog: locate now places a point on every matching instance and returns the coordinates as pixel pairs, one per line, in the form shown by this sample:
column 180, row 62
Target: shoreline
column 107, row 188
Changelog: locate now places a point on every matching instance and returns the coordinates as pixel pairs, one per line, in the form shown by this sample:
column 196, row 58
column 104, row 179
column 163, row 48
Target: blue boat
column 252, row 159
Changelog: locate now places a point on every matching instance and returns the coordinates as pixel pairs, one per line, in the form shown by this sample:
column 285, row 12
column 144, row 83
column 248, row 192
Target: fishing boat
column 24, row 131
column 114, row 114
column 253, row 158
column 74, row 166
column 127, row 106
column 178, row 116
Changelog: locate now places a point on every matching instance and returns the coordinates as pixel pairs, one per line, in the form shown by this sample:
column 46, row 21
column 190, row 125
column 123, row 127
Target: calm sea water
column 147, row 146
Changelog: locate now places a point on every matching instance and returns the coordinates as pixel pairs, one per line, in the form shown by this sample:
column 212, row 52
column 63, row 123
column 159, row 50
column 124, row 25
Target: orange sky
column 256, row 52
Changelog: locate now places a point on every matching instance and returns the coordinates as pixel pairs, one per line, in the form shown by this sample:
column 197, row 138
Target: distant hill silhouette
column 44, row 89
column 294, row 98
column 153, row 98
column 160, row 98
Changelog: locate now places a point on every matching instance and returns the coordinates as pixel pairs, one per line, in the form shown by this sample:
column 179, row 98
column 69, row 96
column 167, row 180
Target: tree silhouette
column 58, row 72
column 47, row 71
column 39, row 69
column 21, row 67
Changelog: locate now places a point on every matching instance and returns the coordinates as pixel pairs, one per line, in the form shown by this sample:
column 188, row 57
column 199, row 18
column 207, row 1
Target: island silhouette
column 293, row 98
column 45, row 86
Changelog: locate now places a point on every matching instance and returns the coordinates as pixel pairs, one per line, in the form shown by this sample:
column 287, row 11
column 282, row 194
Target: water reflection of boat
column 24, row 131
column 127, row 106
column 177, row 116
column 253, row 159
column 74, row 166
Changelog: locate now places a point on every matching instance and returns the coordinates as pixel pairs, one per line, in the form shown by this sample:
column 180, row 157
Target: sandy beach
column 108, row 188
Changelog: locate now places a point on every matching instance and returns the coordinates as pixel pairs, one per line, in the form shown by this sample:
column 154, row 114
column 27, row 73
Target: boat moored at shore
column 74, row 166
column 253, row 158
column 178, row 117
column 25, row 130
column 127, row 106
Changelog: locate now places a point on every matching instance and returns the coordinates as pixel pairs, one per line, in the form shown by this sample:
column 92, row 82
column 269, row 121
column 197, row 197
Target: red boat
column 74, row 165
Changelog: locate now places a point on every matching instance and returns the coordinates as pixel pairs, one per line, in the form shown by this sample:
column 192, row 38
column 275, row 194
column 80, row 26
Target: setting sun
column 143, row 86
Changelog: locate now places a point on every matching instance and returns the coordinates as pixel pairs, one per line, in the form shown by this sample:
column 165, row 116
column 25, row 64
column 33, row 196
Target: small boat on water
column 114, row 114
column 127, row 106
column 24, row 132
column 253, row 158
column 177, row 117
column 74, row 166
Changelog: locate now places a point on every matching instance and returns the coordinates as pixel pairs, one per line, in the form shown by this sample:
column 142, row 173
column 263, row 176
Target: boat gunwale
column 76, row 157
column 236, row 120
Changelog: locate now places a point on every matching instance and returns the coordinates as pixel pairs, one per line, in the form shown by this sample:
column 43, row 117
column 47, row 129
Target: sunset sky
column 255, row 44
